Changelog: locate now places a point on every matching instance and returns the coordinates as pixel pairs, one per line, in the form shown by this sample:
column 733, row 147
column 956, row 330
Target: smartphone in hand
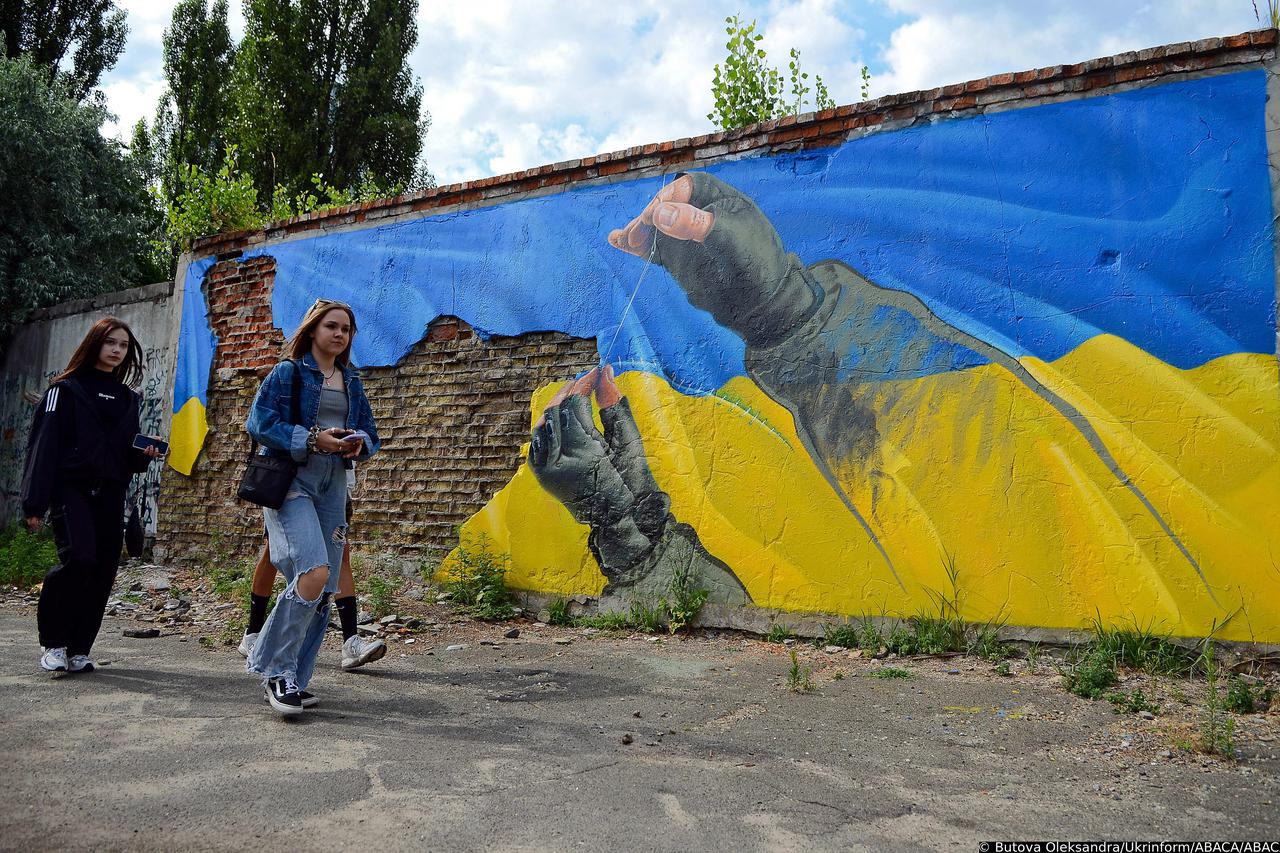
column 142, row 442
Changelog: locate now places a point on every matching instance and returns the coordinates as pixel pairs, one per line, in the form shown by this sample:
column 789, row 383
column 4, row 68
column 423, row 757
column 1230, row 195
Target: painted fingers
column 670, row 213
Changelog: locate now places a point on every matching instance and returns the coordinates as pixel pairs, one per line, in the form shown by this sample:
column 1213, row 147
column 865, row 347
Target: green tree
column 747, row 89
column 47, row 31
column 323, row 87
column 75, row 219
column 190, row 123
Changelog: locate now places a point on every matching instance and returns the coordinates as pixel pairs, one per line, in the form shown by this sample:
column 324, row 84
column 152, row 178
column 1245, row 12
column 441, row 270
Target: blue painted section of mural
column 197, row 341
column 1145, row 215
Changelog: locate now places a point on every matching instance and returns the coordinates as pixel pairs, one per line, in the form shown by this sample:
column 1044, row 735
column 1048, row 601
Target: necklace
column 330, row 374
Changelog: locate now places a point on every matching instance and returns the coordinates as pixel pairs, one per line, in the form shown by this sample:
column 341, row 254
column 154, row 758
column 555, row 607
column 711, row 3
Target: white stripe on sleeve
column 51, row 404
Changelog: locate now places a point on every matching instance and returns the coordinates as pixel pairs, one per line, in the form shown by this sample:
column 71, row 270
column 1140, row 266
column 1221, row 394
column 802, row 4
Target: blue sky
column 512, row 84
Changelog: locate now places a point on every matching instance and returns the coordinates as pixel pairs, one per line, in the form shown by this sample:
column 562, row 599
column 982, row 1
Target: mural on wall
column 1037, row 345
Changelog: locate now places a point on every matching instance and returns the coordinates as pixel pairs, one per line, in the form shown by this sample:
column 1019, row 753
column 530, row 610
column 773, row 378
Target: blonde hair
column 300, row 343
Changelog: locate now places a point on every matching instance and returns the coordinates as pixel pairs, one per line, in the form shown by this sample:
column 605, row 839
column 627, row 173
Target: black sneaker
column 309, row 700
column 284, row 696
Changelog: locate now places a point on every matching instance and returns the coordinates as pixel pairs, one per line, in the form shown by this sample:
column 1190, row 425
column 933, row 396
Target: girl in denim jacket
column 307, row 533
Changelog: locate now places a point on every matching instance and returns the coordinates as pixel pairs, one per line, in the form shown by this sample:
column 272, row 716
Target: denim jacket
column 269, row 416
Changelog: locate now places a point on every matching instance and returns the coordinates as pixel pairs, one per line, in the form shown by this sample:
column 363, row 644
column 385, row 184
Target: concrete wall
column 42, row 349
column 1011, row 341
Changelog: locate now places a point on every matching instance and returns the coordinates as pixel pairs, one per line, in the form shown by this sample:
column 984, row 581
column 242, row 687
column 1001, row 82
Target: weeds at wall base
column 799, row 678
column 25, row 557
column 477, row 581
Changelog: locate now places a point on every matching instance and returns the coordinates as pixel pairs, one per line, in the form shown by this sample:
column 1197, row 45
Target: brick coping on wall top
column 817, row 129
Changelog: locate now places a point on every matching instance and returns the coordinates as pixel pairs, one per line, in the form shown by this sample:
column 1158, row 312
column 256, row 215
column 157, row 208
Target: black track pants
column 88, row 530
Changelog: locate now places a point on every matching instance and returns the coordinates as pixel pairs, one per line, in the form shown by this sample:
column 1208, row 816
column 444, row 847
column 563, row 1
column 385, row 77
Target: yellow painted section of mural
column 186, row 436
column 974, row 467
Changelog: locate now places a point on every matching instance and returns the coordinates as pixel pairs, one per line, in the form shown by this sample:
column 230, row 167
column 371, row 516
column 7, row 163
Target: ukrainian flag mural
column 196, row 345
column 1035, row 348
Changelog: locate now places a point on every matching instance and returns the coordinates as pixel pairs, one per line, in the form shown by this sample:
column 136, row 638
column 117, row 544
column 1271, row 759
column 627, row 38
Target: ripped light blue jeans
column 309, row 530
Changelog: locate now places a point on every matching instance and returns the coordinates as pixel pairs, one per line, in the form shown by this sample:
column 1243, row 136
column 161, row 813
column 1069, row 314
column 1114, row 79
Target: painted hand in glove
column 602, row 479
column 725, row 254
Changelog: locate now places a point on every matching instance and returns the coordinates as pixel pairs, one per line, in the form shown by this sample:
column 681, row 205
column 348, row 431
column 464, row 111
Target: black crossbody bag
column 267, row 479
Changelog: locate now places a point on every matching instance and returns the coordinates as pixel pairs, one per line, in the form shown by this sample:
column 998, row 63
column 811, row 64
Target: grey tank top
column 333, row 408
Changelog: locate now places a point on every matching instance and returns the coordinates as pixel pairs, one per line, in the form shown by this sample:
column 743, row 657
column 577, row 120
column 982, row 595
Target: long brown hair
column 128, row 371
column 300, row 344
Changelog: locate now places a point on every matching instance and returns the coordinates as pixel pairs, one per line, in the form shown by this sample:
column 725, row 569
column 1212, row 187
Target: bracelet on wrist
column 312, row 437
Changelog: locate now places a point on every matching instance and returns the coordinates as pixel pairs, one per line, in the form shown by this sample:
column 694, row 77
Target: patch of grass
column 1089, row 671
column 869, row 637
column 1131, row 703
column 1141, row 648
column 232, row 580
column 892, row 672
column 381, row 595
column 799, row 678
column 944, row 632
column 640, row 617
column 683, row 604
column 986, row 642
column 779, row 633
column 478, row 580
column 845, row 636
column 379, row 579
column 938, row 632
column 614, row 621
column 558, row 612
column 1217, row 727
column 644, row 618
column 1033, row 658
column 934, row 635
column 232, row 631
column 25, row 557
column 1002, row 669
column 1241, row 698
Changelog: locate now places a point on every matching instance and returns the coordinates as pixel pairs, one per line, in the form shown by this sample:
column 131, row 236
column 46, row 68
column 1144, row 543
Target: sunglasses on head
column 320, row 303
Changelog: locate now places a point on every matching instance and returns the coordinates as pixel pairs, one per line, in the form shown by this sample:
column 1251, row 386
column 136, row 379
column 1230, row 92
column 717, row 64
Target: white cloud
column 947, row 42
column 597, row 74
column 511, row 84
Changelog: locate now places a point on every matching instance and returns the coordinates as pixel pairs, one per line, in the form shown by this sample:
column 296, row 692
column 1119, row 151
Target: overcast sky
column 517, row 83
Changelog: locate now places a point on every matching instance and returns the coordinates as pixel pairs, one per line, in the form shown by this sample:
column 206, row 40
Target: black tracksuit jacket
column 71, row 445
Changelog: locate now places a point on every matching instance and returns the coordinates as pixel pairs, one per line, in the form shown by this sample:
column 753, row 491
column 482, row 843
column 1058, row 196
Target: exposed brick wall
column 451, row 415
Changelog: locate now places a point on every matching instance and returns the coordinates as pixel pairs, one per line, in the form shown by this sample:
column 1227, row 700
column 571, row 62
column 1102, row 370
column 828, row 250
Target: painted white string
column 635, row 291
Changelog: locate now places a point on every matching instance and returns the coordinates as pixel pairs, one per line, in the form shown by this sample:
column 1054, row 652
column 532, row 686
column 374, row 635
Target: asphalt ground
column 607, row 742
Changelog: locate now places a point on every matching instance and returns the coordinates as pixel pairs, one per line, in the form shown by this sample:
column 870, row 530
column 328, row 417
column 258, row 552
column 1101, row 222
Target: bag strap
column 295, row 403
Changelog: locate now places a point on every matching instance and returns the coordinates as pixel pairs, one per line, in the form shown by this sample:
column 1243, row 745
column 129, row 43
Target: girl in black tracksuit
column 80, row 459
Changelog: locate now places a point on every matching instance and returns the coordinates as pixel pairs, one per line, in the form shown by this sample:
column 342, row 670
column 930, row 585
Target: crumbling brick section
column 452, row 416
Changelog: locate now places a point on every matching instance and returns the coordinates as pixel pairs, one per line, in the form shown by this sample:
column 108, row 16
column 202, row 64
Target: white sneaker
column 247, row 642
column 80, row 663
column 357, row 652
column 54, row 660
